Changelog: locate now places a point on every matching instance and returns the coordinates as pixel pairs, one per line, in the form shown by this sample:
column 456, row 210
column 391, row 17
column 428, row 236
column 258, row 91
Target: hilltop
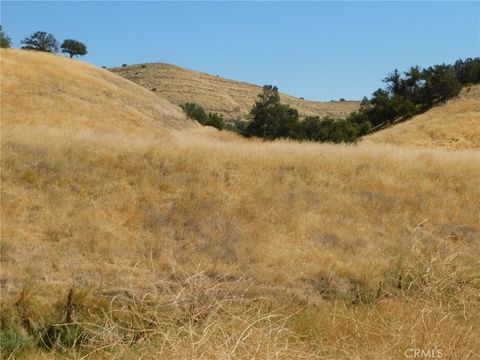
column 230, row 98
column 454, row 125
column 128, row 231
column 41, row 89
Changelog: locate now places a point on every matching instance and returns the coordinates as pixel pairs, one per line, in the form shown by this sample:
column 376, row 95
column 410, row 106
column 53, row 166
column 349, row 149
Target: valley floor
column 198, row 244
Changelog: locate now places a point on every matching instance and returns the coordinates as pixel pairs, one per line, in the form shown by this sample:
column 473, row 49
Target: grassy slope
column 454, row 125
column 354, row 251
column 40, row 89
column 233, row 99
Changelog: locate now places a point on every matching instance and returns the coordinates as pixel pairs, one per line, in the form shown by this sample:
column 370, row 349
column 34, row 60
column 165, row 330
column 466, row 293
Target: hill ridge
column 228, row 97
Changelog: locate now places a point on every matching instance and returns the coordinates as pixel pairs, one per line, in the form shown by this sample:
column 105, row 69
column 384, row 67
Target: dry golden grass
column 230, row 98
column 196, row 243
column 454, row 125
column 309, row 224
column 41, row 89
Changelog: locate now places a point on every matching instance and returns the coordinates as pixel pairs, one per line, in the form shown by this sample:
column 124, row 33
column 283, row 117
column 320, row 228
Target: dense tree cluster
column 414, row 92
column 468, row 71
column 197, row 112
column 404, row 96
column 272, row 120
column 328, row 129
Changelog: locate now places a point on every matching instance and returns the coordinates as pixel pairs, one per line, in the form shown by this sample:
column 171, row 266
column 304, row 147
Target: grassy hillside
column 200, row 244
column 453, row 125
column 233, row 99
column 41, row 89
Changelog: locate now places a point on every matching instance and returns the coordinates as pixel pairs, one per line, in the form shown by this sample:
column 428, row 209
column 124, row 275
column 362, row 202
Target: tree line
column 273, row 120
column 43, row 41
column 413, row 92
column 405, row 95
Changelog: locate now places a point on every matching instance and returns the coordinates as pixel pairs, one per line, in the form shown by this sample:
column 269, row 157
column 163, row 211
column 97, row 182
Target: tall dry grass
column 332, row 229
column 199, row 244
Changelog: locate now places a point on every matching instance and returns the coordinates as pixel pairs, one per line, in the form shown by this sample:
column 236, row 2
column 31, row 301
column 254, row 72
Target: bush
column 215, row 120
column 275, row 121
column 329, row 129
column 237, row 125
column 316, row 129
column 14, row 339
column 197, row 112
column 343, row 131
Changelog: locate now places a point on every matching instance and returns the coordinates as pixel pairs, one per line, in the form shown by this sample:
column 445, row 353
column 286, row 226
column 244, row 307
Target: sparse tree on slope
column 73, row 48
column 5, row 41
column 41, row 41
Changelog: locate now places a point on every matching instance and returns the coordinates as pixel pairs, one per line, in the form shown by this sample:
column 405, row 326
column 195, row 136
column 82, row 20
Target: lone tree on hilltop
column 41, row 41
column 73, row 48
column 5, row 41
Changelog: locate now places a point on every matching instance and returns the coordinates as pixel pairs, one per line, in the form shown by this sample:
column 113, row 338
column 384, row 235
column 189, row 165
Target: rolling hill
column 230, row 98
column 453, row 125
column 41, row 89
column 129, row 232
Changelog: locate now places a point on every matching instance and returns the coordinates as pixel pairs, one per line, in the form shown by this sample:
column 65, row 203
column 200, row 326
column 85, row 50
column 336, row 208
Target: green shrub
column 215, row 120
column 275, row 121
column 239, row 126
column 197, row 112
column 14, row 339
column 329, row 129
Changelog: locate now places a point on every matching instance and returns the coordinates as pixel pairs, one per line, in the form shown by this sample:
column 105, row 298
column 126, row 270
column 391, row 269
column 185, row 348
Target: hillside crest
column 231, row 98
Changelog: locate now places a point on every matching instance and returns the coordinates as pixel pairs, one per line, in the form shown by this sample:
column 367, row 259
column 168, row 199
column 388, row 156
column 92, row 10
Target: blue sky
column 317, row 50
